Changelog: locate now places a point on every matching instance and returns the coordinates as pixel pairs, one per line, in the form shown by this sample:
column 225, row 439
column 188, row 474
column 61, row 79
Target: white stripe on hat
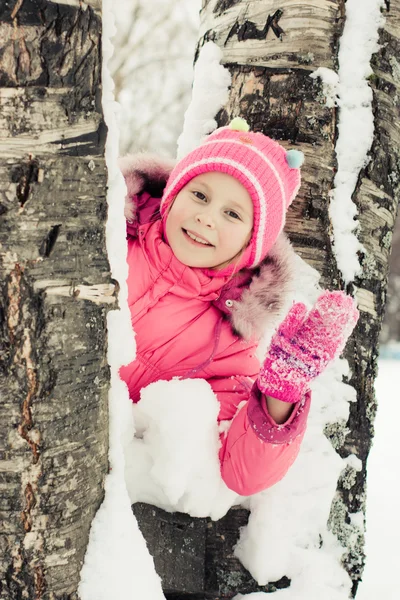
column 260, row 154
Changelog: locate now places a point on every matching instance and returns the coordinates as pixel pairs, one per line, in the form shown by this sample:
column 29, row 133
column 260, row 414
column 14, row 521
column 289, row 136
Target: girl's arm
column 251, row 463
column 265, row 436
column 300, row 350
column 278, row 410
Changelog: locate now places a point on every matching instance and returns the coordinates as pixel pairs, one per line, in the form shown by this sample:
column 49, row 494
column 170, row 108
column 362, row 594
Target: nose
column 206, row 218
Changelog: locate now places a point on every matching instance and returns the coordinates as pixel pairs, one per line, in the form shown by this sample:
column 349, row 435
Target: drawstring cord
column 217, row 333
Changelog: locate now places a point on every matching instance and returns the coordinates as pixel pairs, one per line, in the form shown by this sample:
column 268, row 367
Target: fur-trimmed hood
column 253, row 299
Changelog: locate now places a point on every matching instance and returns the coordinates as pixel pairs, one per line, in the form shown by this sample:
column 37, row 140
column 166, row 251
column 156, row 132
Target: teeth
column 196, row 239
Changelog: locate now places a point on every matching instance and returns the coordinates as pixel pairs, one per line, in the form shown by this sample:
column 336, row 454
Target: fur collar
column 254, row 300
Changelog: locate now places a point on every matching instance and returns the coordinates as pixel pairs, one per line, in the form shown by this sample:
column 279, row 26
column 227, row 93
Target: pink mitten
column 305, row 344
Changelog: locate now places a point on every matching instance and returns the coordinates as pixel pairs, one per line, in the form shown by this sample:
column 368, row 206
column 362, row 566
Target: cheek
column 238, row 239
column 173, row 222
column 177, row 214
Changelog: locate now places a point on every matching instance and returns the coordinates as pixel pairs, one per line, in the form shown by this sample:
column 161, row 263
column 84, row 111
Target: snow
column 330, row 85
column 320, row 577
column 288, row 521
column 383, row 516
column 351, row 92
column 209, row 95
column 174, row 461
column 117, row 564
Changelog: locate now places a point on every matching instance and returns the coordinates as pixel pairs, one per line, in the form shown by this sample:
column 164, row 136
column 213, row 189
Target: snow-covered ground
column 383, row 515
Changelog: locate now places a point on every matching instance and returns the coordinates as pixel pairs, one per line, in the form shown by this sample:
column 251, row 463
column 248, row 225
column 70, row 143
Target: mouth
column 196, row 239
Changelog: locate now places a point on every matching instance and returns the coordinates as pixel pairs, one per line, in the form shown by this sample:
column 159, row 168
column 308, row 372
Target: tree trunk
column 270, row 54
column 55, row 291
column 273, row 90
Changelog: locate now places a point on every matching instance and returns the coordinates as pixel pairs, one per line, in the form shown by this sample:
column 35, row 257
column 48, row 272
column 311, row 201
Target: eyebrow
column 237, row 205
column 203, row 184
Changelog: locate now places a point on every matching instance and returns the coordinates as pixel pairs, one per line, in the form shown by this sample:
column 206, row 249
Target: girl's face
column 210, row 220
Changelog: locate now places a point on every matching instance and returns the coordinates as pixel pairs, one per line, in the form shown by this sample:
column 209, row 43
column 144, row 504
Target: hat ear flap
column 294, row 158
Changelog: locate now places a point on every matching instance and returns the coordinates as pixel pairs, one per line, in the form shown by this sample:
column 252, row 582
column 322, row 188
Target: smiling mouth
column 196, row 239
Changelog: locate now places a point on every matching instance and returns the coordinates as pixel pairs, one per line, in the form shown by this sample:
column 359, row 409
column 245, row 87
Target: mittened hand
column 304, row 345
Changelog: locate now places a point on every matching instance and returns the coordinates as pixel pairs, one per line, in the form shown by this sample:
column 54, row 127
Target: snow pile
column 173, row 460
column 356, row 123
column 383, row 527
column 210, row 93
column 316, row 574
column 117, row 563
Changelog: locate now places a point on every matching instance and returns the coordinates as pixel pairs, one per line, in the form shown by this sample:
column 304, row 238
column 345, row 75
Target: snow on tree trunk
column 271, row 54
column 55, row 293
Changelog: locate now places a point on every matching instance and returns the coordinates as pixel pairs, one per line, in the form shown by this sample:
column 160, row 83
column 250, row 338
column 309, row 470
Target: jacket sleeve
column 256, row 452
column 145, row 177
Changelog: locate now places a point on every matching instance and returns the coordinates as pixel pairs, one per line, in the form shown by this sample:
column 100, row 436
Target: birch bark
column 55, row 292
column 270, row 50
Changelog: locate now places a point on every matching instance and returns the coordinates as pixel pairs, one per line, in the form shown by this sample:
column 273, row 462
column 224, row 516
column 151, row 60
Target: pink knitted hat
column 269, row 173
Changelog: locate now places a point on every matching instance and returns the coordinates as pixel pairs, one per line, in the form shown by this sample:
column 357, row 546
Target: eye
column 200, row 196
column 233, row 214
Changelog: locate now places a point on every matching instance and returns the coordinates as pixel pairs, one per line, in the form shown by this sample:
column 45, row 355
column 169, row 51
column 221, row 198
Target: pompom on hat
column 270, row 174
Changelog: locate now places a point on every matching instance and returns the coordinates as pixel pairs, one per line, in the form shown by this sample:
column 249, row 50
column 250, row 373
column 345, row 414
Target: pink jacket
column 191, row 325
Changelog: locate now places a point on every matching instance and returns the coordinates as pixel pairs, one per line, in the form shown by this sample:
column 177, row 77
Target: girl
column 209, row 269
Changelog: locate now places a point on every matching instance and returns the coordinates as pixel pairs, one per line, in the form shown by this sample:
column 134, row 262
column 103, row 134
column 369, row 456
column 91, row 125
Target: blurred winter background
column 152, row 69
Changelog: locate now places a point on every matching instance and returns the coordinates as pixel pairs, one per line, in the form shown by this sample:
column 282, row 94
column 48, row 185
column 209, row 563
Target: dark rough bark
column 195, row 557
column 273, row 91
column 55, row 290
column 376, row 196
